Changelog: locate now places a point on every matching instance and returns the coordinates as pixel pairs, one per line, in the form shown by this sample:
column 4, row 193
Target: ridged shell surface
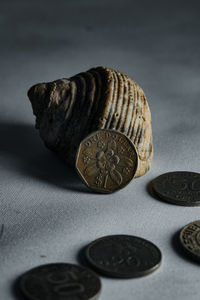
column 67, row 110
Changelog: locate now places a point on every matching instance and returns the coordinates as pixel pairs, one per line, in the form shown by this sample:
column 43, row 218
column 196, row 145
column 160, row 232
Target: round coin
column 106, row 161
column 123, row 256
column 60, row 282
column 190, row 239
column 182, row 188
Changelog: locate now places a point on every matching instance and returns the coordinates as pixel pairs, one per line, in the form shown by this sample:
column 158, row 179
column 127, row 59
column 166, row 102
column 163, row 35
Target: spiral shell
column 67, row 110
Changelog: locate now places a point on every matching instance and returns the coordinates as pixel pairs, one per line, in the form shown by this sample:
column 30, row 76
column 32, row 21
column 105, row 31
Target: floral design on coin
column 106, row 162
column 102, row 165
column 190, row 239
column 60, row 281
column 123, row 256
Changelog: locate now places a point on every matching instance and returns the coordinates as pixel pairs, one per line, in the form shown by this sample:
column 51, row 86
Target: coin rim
column 192, row 254
column 171, row 200
column 82, row 177
column 120, row 275
column 24, row 292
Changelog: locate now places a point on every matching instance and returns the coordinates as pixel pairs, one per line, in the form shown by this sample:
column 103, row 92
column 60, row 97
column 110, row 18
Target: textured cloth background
column 48, row 214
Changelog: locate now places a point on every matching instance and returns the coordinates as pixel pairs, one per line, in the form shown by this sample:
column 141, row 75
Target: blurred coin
column 123, row 256
column 106, row 161
column 182, row 188
column 190, row 239
column 60, row 282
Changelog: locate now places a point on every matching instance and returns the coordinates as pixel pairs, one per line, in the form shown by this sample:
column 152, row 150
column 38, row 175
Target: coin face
column 182, row 188
column 106, row 161
column 190, row 239
column 123, row 256
column 60, row 282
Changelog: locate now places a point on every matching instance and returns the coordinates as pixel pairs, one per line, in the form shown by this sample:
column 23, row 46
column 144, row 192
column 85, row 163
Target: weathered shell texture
column 67, row 110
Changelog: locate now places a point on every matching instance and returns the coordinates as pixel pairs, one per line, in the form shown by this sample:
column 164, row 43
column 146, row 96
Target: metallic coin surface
column 60, row 282
column 123, row 256
column 190, row 239
column 182, row 188
column 106, row 161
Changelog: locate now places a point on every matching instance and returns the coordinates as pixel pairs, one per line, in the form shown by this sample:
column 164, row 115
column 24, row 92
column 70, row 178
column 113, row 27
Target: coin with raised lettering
column 181, row 188
column 60, row 282
column 190, row 239
column 106, row 161
column 123, row 256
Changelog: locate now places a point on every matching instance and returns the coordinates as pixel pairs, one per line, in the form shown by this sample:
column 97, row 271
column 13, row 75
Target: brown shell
column 67, row 110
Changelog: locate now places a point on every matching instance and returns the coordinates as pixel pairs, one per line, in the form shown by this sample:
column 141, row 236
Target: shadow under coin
column 23, row 151
column 176, row 245
column 81, row 257
column 151, row 192
column 82, row 260
column 16, row 292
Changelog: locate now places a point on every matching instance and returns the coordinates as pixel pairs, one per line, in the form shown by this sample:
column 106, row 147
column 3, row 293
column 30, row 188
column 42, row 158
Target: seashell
column 67, row 110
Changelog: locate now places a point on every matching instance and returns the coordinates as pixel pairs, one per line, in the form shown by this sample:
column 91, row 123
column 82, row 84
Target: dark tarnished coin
column 190, row 239
column 60, row 282
column 106, row 161
column 123, row 256
column 182, row 188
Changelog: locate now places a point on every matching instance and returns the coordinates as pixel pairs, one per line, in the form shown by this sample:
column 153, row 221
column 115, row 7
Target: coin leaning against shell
column 181, row 188
column 123, row 256
column 61, row 282
column 106, row 161
column 190, row 239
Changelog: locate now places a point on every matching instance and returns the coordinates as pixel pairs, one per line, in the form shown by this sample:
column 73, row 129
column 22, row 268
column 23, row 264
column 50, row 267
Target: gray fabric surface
column 48, row 214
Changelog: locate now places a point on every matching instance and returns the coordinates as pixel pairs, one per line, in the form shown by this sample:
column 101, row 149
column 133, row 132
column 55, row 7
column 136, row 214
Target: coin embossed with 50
column 64, row 286
column 182, row 188
column 55, row 281
column 181, row 184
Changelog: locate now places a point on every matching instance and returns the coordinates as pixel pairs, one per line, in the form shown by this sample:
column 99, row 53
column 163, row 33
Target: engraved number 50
column 182, row 185
column 66, row 285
